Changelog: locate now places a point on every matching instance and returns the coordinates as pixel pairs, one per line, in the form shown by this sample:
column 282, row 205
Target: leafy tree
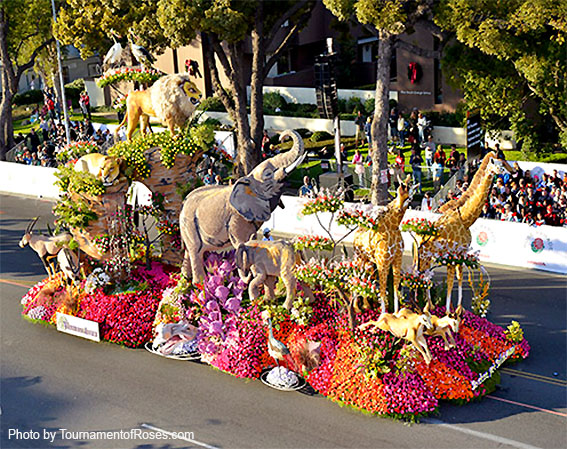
column 387, row 20
column 224, row 27
column 25, row 31
column 518, row 54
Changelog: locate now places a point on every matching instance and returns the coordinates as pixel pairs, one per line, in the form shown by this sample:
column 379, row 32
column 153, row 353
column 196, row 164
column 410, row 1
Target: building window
column 367, row 53
column 66, row 78
column 437, row 82
column 284, row 63
column 394, row 66
column 94, row 70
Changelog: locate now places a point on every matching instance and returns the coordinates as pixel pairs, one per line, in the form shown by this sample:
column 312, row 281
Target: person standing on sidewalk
column 359, row 122
column 416, row 161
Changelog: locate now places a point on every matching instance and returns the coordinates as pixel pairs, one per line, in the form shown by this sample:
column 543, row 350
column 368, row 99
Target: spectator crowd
column 42, row 146
column 524, row 198
column 47, row 138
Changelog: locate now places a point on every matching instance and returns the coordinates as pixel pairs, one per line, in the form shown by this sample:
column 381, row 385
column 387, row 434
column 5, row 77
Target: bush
column 451, row 119
column 303, row 132
column 369, row 106
column 216, row 124
column 353, row 105
column 212, row 104
column 32, row 96
column 73, row 90
column 300, row 110
column 274, row 100
column 318, row 136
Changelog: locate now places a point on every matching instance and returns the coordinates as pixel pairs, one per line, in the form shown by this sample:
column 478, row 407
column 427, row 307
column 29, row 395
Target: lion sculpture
column 105, row 168
column 172, row 99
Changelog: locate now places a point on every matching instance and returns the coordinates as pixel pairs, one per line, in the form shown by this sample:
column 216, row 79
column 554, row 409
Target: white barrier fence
column 28, row 180
column 506, row 243
column 513, row 244
column 441, row 134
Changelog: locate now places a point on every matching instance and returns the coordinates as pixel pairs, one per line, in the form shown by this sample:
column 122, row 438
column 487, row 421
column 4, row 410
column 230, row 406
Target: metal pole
column 63, row 99
column 337, row 126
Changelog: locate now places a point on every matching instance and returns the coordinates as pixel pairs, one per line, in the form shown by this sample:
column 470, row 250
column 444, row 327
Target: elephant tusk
column 292, row 167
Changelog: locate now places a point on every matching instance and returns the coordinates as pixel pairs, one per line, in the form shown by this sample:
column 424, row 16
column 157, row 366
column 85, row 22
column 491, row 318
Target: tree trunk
column 257, row 83
column 6, row 128
column 245, row 156
column 379, row 189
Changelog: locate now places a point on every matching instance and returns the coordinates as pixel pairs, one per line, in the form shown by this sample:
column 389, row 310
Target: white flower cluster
column 480, row 305
column 282, row 377
column 97, row 279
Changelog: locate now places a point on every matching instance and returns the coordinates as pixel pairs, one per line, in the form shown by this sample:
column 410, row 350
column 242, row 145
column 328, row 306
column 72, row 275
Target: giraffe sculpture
column 384, row 246
column 456, row 219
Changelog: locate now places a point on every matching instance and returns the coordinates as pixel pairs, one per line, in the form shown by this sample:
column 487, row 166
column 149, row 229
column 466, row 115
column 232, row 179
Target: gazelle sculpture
column 46, row 247
column 407, row 325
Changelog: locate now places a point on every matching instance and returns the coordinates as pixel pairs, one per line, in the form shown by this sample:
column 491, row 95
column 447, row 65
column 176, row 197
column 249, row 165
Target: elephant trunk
column 242, row 263
column 288, row 161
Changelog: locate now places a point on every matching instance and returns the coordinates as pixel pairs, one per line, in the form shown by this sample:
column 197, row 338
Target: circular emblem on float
column 482, row 238
column 537, row 245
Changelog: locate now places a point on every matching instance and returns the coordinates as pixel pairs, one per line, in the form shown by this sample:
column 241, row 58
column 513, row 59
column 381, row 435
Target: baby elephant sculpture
column 214, row 217
column 264, row 262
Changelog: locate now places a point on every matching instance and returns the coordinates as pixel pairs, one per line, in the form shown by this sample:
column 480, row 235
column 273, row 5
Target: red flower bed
column 124, row 318
column 371, row 370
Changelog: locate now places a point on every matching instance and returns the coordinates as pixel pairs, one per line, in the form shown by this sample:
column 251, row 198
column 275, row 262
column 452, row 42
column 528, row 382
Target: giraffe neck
column 395, row 212
column 472, row 207
column 480, row 173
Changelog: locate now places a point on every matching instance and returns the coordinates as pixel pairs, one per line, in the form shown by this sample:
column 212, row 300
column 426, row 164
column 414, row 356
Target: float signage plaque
column 78, row 326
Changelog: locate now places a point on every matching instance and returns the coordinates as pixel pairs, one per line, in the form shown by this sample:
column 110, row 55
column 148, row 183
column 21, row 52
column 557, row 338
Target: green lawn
column 96, row 118
column 101, row 117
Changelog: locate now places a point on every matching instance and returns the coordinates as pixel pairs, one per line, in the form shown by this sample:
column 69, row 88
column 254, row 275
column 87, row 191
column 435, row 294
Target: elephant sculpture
column 214, row 217
column 264, row 262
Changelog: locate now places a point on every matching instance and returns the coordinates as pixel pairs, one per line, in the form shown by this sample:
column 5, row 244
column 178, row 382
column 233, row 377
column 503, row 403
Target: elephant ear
column 250, row 200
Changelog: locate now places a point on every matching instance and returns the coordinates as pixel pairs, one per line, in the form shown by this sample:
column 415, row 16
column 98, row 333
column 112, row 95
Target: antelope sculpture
column 46, row 247
column 69, row 264
column 442, row 327
column 407, row 325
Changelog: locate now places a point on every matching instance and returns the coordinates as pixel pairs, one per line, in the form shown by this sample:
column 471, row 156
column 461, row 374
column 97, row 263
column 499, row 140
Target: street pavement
column 52, row 381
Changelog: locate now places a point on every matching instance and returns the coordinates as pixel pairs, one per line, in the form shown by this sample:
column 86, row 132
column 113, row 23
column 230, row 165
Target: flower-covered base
column 371, row 371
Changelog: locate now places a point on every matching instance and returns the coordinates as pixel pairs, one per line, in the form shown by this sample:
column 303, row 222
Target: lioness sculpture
column 106, row 168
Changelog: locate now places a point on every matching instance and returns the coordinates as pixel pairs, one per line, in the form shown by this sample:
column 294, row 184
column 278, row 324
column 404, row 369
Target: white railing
column 499, row 242
column 506, row 243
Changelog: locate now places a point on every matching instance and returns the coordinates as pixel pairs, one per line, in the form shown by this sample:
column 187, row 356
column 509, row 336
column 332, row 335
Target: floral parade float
column 335, row 339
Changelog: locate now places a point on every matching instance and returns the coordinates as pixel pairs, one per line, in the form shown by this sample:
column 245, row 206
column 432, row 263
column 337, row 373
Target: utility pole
column 62, row 85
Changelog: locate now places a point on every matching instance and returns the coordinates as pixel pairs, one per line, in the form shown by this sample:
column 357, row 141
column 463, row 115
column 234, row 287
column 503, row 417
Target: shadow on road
column 26, row 407
column 20, row 261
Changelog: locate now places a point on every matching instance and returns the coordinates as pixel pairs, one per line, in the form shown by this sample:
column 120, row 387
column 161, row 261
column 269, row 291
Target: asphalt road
column 51, row 381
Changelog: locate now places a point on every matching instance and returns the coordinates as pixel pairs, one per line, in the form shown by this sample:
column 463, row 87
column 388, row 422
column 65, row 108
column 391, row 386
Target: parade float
column 202, row 288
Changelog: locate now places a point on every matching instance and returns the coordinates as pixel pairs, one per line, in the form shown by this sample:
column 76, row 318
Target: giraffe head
column 406, row 192
column 499, row 167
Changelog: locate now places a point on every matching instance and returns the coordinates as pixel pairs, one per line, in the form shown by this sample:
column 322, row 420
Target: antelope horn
column 32, row 224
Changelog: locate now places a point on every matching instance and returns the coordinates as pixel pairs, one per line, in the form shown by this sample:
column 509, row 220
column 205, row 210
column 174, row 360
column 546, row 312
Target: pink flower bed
column 373, row 371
